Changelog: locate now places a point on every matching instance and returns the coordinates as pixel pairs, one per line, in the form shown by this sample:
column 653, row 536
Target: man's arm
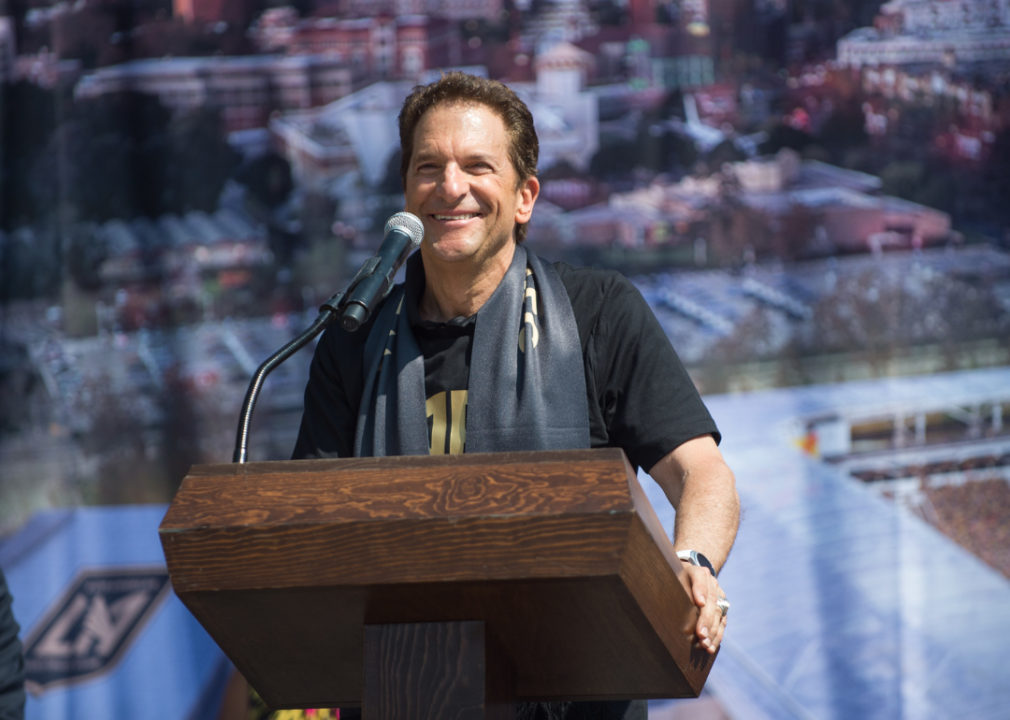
column 702, row 490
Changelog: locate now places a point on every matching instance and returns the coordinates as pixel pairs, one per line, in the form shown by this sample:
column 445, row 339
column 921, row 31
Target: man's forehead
column 457, row 108
column 459, row 105
column 493, row 139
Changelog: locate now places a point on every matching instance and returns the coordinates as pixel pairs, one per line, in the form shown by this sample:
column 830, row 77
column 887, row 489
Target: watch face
column 703, row 562
column 696, row 558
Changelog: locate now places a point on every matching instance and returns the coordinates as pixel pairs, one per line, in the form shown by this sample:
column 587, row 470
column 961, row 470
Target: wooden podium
column 444, row 586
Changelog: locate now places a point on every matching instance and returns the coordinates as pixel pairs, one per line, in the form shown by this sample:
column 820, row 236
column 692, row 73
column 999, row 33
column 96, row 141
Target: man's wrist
column 693, row 557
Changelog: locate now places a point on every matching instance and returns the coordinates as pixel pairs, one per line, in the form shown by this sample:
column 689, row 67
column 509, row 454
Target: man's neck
column 460, row 289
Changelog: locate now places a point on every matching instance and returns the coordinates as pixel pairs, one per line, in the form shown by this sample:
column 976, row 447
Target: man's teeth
column 456, row 217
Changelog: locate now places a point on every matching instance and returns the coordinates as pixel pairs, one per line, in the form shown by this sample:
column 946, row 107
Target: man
column 486, row 348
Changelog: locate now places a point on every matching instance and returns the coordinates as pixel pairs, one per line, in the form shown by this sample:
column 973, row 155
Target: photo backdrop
column 811, row 195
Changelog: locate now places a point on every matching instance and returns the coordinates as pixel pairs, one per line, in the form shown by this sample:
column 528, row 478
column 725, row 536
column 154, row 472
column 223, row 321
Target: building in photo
column 946, row 32
column 246, row 89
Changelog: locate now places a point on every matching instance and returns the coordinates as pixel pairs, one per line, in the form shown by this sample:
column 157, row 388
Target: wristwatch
column 696, row 558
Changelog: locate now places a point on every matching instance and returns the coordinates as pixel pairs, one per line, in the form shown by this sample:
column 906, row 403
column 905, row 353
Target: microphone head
column 409, row 224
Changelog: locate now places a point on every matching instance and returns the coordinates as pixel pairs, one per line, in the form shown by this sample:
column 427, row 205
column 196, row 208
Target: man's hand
column 705, row 592
column 702, row 490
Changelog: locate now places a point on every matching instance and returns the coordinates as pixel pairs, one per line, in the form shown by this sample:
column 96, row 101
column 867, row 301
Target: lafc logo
column 88, row 629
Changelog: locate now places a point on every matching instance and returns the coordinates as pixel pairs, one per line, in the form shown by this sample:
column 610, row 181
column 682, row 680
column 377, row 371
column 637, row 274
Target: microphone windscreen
column 409, row 223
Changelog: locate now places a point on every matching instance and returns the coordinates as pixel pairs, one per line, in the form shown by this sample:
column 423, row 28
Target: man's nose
column 454, row 184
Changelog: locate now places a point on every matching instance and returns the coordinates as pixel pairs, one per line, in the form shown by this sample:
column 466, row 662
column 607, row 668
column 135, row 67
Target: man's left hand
column 706, row 593
column 702, row 490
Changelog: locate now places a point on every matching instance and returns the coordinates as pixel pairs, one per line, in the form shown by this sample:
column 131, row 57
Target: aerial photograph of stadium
column 807, row 200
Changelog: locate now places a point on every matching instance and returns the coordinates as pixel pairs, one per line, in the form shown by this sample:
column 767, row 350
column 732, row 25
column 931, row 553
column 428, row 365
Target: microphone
column 402, row 234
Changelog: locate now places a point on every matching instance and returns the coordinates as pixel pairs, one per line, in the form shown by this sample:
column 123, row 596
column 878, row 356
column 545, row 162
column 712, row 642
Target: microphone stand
column 409, row 230
column 328, row 312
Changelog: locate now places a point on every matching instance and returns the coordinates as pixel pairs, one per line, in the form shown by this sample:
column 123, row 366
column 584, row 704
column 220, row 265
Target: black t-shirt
column 640, row 396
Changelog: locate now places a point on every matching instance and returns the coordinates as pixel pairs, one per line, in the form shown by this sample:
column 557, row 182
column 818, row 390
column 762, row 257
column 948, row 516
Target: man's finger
column 720, row 631
column 707, row 627
column 699, row 584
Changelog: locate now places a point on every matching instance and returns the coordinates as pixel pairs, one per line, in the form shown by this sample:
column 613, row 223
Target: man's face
column 461, row 183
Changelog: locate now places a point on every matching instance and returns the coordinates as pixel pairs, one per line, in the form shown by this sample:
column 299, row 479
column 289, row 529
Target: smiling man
column 486, row 348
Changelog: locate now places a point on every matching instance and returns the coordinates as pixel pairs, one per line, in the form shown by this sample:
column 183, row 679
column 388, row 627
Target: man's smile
column 466, row 216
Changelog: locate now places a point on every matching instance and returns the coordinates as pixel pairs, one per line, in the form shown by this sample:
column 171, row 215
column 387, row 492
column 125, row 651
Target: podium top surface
column 402, row 488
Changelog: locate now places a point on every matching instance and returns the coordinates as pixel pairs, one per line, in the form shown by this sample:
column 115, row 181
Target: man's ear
column 528, row 193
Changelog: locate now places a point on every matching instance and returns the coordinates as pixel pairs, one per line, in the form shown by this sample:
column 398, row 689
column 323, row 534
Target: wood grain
column 399, row 551
column 559, row 553
column 315, row 495
column 436, row 671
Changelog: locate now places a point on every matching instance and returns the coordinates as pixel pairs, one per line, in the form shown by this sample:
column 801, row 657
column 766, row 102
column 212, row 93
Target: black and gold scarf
column 527, row 386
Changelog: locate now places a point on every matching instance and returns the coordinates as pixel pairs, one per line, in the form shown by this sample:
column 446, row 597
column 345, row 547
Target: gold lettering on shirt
column 448, row 419
column 457, row 436
column 434, row 407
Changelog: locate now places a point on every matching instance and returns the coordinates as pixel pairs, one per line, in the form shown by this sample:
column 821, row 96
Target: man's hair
column 457, row 87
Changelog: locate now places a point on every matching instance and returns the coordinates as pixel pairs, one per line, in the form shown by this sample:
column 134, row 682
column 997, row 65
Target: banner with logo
column 104, row 636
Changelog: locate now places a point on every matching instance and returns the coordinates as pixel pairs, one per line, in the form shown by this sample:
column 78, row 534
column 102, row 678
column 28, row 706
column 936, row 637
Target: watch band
column 696, row 558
